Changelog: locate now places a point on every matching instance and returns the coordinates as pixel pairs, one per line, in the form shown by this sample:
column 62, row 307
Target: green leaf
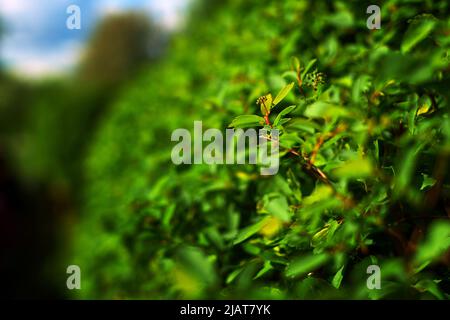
column 431, row 287
column 407, row 164
column 279, row 207
column 233, row 275
column 337, row 279
column 308, row 66
column 289, row 140
column 436, row 243
column 320, row 236
column 322, row 109
column 283, row 93
column 424, row 105
column 168, row 215
column 283, row 121
column 247, row 232
column 360, row 87
column 246, row 121
column 416, row 32
column 267, row 267
column 427, row 181
column 303, row 124
column 295, row 63
column 320, row 193
column 305, row 264
column 289, row 75
column 353, row 169
column 283, row 113
column 195, row 264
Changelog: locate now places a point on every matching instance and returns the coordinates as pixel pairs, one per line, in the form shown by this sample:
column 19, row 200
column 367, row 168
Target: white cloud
column 36, row 64
column 27, row 21
column 23, row 12
column 9, row 7
column 168, row 12
column 105, row 7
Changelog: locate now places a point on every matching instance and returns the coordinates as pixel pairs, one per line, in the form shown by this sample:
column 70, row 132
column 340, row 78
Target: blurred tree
column 119, row 45
column 64, row 113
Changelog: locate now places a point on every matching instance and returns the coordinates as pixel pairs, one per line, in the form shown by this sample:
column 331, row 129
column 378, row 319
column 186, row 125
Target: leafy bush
column 364, row 159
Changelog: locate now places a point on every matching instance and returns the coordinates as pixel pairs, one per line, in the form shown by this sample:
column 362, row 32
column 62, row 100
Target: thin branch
column 322, row 139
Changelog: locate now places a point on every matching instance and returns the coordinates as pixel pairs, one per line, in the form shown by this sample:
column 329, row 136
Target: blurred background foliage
column 46, row 126
column 363, row 170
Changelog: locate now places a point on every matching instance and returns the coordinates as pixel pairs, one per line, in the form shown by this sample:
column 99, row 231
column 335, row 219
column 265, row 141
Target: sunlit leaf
column 246, row 121
column 427, row 181
column 305, row 264
column 279, row 207
column 283, row 113
column 358, row 168
column 283, row 93
column 416, row 32
column 436, row 243
column 249, row 231
column 337, row 279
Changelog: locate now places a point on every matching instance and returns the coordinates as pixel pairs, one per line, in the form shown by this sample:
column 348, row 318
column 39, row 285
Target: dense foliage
column 364, row 159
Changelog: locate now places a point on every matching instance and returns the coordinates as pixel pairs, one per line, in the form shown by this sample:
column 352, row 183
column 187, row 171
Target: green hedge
column 364, row 159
